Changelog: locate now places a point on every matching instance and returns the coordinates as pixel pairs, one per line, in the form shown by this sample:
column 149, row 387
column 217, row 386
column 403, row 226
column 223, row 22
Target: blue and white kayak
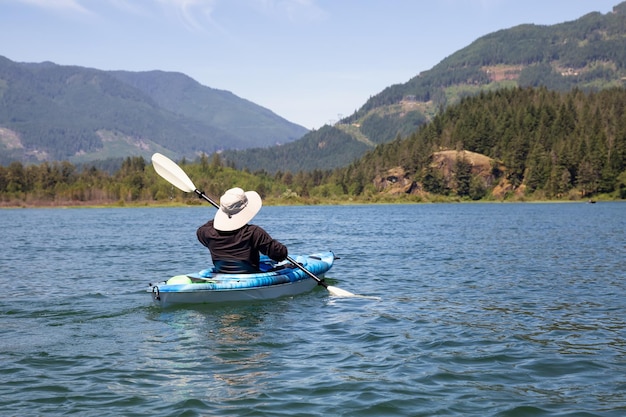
column 208, row 287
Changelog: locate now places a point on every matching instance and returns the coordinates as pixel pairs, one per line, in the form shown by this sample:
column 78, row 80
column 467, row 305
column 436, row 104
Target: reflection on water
column 230, row 343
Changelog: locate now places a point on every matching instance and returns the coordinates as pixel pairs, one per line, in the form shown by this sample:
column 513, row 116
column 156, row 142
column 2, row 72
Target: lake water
column 482, row 310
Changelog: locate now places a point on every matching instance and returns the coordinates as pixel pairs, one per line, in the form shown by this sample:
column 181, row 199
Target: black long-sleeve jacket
column 232, row 251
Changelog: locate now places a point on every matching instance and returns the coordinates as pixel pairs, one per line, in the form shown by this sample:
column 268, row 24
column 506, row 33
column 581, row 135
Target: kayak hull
column 208, row 287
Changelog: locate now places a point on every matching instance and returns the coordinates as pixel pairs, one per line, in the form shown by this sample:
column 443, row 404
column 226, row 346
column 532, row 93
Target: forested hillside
column 540, row 141
column 520, row 143
column 587, row 53
column 320, row 149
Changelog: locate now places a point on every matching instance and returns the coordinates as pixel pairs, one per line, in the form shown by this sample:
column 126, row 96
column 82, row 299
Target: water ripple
column 489, row 310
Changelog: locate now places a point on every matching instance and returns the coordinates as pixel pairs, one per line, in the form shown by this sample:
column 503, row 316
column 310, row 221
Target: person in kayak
column 236, row 245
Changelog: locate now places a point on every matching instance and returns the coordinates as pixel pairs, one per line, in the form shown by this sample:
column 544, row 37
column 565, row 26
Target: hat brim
column 222, row 222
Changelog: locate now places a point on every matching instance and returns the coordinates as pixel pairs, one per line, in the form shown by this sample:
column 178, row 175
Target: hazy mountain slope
column 54, row 112
column 255, row 125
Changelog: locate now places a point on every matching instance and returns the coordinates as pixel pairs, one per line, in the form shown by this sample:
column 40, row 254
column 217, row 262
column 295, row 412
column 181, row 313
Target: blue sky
column 309, row 61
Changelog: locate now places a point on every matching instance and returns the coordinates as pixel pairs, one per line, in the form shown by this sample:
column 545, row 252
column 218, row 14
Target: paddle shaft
column 206, row 197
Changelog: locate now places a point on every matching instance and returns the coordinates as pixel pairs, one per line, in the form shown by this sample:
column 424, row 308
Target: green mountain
column 51, row 112
column 588, row 53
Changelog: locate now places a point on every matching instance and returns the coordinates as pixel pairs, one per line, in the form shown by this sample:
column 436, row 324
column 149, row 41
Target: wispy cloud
column 294, row 10
column 60, row 5
column 202, row 15
column 195, row 14
column 485, row 5
column 490, row 4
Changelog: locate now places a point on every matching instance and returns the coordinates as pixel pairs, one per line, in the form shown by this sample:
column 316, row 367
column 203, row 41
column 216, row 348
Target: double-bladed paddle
column 174, row 174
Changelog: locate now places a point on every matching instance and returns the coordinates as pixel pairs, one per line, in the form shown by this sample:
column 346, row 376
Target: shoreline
column 281, row 202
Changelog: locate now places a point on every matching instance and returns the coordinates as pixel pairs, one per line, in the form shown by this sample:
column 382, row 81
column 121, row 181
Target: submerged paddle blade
column 171, row 172
column 339, row 292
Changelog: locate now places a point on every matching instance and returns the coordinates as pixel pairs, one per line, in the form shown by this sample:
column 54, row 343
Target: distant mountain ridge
column 588, row 53
column 183, row 95
column 54, row 112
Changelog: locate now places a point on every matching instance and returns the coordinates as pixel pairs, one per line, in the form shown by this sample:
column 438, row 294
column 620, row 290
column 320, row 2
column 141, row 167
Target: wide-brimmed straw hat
column 236, row 209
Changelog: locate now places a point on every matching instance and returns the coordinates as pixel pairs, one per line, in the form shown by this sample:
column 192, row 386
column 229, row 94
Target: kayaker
column 234, row 244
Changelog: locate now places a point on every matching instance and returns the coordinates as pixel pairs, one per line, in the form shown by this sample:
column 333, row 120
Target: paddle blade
column 339, row 292
column 171, row 172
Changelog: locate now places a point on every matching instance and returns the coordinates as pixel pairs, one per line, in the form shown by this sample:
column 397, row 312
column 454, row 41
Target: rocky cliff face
column 487, row 170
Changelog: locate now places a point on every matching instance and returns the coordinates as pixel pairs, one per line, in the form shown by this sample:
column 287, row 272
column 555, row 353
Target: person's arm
column 202, row 231
column 268, row 245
